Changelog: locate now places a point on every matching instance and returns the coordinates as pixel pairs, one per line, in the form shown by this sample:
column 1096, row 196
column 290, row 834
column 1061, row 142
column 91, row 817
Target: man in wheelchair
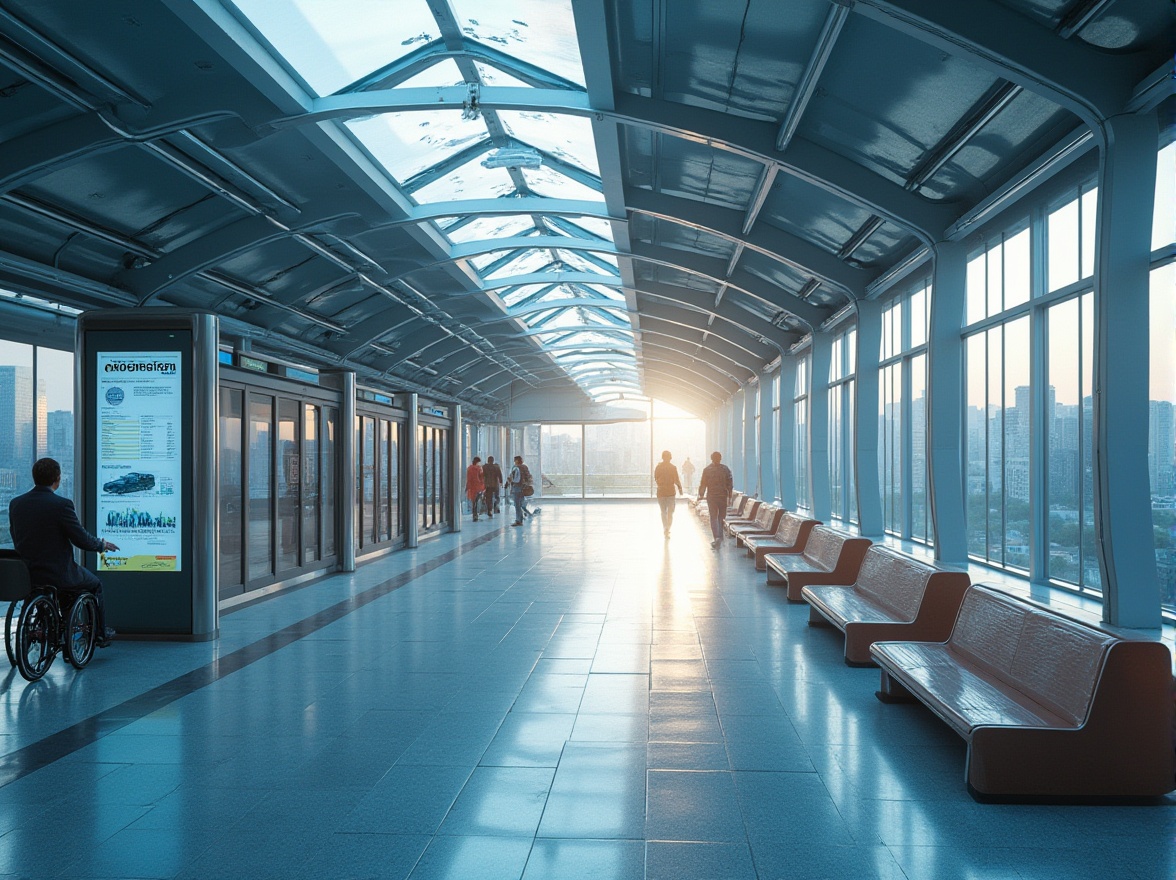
column 45, row 529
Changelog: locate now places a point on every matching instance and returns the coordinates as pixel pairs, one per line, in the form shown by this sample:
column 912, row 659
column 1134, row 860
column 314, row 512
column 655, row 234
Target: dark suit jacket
column 45, row 529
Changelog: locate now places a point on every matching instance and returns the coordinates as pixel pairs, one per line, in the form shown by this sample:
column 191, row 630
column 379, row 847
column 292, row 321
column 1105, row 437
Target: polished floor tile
column 577, row 700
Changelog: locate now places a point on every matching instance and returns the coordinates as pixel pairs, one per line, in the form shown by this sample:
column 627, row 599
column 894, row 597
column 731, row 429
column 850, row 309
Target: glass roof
column 474, row 154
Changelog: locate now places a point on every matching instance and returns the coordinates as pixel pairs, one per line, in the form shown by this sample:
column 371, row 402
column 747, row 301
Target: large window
column 33, row 423
column 842, row 372
column 1161, row 446
column 777, row 468
column 562, row 451
column 902, row 415
column 1029, row 360
column 800, row 419
column 997, row 415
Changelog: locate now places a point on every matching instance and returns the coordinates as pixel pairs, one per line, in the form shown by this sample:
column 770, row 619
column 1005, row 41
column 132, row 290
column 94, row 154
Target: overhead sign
column 139, row 474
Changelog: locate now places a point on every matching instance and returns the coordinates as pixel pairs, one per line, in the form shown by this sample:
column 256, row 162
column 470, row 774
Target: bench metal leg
column 891, row 691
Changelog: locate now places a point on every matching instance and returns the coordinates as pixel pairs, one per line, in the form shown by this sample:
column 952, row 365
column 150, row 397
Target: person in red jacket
column 475, row 484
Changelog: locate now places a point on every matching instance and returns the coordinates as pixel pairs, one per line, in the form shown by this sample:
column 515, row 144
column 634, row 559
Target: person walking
column 475, row 484
column 716, row 485
column 668, row 487
column 520, row 479
column 492, row 476
column 688, row 475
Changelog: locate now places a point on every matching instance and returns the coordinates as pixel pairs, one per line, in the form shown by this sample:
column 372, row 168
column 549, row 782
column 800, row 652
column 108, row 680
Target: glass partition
column 562, row 454
column 261, row 419
column 288, row 482
column 329, row 469
column 232, row 403
column 311, row 492
column 616, row 460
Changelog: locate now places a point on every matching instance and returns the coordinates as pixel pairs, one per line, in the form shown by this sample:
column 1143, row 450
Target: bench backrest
column 750, row 511
column 1051, row 659
column 767, row 513
column 894, row 580
column 789, row 531
column 824, row 546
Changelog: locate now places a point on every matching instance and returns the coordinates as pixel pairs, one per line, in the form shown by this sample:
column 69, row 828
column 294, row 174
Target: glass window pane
column 1090, row 570
column 890, row 447
column 1062, row 235
column 836, row 453
column 539, row 32
column 616, row 460
column 561, row 447
column 383, row 514
column 261, row 486
column 490, row 228
column 311, row 501
column 330, row 428
column 232, row 402
column 977, row 285
column 288, row 484
column 1016, row 439
column 55, row 412
column 1063, row 415
column 320, row 41
column 995, row 280
column 565, row 137
column 920, row 530
column 408, row 143
column 1089, row 218
column 1018, row 270
column 850, row 473
column 976, row 443
column 1161, row 445
column 368, row 489
column 394, row 470
column 1164, row 214
column 918, row 313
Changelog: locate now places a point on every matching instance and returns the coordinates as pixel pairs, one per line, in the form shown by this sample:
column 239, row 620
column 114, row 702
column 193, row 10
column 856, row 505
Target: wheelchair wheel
column 10, row 620
column 36, row 637
column 81, row 631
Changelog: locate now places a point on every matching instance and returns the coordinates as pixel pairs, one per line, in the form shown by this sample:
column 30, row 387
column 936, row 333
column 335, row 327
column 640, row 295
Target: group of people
column 484, row 482
column 715, row 485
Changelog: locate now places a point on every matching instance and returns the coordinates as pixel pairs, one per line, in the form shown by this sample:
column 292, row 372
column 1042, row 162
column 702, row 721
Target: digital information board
column 138, row 475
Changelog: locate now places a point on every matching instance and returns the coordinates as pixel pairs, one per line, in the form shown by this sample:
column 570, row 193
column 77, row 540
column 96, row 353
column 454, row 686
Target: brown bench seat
column 829, row 557
column 791, row 535
column 766, row 522
column 894, row 597
column 1049, row 707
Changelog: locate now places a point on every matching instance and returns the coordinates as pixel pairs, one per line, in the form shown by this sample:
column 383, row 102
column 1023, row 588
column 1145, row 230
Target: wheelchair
column 38, row 626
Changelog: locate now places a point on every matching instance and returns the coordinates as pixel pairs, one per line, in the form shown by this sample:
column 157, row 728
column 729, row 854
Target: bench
column 1049, row 707
column 791, row 535
column 894, row 597
column 829, row 557
column 765, row 523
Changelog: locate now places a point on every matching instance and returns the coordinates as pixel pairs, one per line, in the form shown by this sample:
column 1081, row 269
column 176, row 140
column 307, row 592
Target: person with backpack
column 716, row 486
column 520, row 481
column 492, row 476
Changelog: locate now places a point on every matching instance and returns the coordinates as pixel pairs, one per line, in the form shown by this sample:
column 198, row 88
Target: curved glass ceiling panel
column 550, row 183
column 443, row 73
column 516, row 294
column 332, row 43
column 595, row 225
column 492, row 76
column 525, row 263
column 470, row 181
column 562, row 135
column 490, row 228
column 540, row 32
column 408, row 143
column 580, row 263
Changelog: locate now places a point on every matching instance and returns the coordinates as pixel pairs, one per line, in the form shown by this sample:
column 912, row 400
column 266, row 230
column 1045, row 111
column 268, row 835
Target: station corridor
column 579, row 698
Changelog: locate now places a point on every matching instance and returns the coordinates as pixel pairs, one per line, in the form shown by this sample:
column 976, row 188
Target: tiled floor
column 575, row 699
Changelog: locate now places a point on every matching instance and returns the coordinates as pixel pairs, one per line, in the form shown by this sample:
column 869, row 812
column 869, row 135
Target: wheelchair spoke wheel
column 81, row 631
column 10, row 629
column 36, row 637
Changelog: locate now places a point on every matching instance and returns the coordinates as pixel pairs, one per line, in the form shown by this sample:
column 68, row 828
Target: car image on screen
column 131, row 482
